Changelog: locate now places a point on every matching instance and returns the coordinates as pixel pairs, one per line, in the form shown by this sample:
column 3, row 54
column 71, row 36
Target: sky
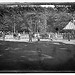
column 37, row 1
column 48, row 6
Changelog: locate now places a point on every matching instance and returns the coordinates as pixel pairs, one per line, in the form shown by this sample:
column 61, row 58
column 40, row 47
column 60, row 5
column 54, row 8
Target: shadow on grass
column 38, row 64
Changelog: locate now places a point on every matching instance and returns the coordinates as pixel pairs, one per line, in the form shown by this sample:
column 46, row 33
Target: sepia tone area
column 37, row 37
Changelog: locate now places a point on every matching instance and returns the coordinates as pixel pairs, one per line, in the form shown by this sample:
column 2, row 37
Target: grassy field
column 37, row 56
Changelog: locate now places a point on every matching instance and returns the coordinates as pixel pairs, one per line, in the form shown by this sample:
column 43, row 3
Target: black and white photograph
column 37, row 37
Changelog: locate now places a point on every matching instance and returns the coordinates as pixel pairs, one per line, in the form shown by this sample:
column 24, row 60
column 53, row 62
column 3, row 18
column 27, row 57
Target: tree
column 58, row 20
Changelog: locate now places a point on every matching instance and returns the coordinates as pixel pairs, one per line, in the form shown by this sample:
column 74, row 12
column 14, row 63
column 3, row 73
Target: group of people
column 31, row 36
column 18, row 36
column 37, row 35
column 2, row 34
column 68, row 36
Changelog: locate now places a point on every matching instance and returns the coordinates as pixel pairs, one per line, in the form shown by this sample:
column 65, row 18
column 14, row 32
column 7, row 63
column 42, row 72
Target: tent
column 69, row 26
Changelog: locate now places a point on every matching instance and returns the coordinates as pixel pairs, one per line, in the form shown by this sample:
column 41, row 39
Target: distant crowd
column 39, row 36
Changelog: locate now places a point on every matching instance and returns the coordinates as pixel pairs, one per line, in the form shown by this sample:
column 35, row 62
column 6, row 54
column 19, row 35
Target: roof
column 69, row 26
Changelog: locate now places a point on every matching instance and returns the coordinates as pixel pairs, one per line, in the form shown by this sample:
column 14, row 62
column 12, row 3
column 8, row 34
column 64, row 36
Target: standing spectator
column 56, row 35
column 3, row 35
column 68, row 36
column 38, row 37
column 19, row 35
column 14, row 35
column 51, row 36
column 30, row 36
column 63, row 35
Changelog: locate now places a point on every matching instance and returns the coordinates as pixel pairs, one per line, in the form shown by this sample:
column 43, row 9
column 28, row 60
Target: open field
column 37, row 56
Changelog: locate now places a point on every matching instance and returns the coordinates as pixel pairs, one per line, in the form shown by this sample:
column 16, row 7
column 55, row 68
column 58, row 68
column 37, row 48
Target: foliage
column 35, row 19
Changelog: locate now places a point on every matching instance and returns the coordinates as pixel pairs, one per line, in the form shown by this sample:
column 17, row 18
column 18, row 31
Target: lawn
column 37, row 56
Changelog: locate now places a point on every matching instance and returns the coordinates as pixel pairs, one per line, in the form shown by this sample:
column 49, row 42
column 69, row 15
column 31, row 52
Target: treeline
column 35, row 19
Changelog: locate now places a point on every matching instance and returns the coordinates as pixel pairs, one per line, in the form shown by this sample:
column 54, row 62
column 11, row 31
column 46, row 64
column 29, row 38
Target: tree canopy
column 36, row 18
